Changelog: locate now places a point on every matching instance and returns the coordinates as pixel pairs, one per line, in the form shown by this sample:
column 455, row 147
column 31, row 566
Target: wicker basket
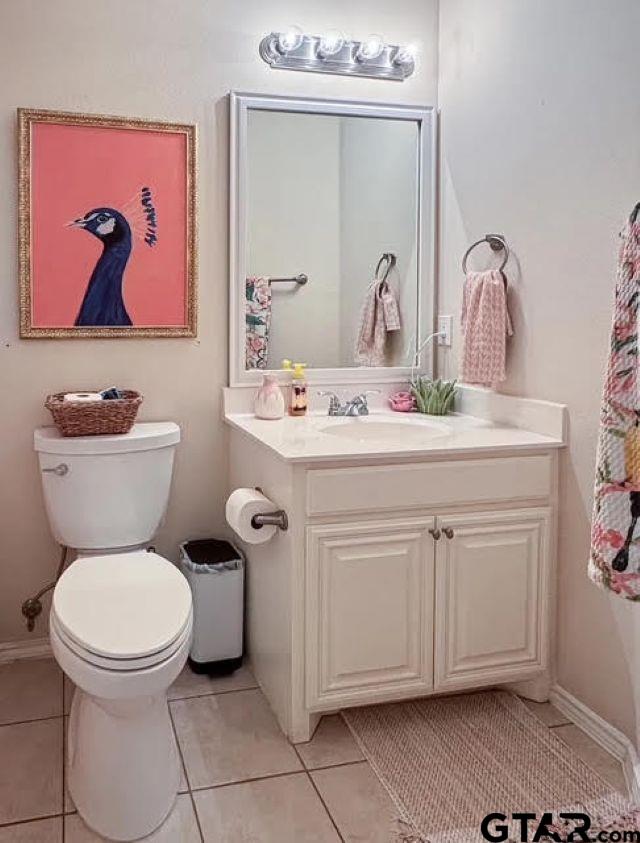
column 94, row 418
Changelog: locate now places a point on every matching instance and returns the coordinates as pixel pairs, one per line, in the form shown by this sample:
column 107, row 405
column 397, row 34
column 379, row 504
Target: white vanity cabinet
column 492, row 575
column 369, row 610
column 400, row 607
column 399, row 578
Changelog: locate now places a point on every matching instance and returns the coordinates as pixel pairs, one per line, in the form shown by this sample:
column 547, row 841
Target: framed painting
column 107, row 228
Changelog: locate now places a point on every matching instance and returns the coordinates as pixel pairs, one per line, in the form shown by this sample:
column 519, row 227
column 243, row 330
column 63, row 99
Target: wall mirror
column 332, row 237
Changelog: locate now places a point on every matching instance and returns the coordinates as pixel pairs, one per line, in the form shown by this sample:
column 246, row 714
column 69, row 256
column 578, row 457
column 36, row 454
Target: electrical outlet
column 445, row 327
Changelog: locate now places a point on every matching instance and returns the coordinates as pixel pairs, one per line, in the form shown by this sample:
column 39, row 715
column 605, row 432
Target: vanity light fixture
column 405, row 55
column 371, row 48
column 289, row 40
column 292, row 49
column 330, row 43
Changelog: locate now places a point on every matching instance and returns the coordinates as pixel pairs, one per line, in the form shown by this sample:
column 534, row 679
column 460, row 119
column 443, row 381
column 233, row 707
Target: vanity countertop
column 384, row 435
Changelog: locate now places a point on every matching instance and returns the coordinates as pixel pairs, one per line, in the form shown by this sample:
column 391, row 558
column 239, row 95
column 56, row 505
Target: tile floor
column 242, row 781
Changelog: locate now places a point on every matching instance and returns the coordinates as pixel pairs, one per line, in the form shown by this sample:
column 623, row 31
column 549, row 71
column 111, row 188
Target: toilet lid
column 124, row 605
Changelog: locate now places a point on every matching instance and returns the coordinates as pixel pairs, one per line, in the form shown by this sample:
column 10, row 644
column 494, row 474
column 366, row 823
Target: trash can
column 215, row 572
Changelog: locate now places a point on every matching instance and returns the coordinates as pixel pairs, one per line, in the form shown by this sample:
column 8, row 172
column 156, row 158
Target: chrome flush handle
column 59, row 470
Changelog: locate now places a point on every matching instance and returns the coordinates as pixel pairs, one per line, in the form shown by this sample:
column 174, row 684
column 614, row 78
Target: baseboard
column 30, row 648
column 603, row 733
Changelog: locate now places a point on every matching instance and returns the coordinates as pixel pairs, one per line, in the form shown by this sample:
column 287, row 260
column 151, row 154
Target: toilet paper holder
column 263, row 519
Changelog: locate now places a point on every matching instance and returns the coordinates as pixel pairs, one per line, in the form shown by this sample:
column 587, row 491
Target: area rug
column 448, row 762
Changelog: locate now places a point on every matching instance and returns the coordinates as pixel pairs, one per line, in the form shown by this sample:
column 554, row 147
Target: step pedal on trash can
column 214, row 569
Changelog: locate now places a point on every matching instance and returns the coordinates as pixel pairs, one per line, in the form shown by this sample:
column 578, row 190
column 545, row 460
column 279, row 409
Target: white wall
column 540, row 126
column 175, row 61
column 293, row 226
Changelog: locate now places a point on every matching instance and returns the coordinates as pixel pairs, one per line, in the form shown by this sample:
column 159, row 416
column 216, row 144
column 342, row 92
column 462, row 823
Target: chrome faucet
column 357, row 406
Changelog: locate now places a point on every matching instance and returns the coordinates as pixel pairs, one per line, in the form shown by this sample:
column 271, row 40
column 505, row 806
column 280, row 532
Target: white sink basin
column 375, row 430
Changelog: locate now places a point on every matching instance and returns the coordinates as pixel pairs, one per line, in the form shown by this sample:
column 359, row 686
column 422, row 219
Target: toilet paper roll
column 82, row 396
column 242, row 505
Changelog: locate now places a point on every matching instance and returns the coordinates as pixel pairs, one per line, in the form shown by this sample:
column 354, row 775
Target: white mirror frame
column 426, row 119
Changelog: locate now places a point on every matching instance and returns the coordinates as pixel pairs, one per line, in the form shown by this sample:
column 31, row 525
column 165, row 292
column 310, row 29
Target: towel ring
column 390, row 259
column 497, row 244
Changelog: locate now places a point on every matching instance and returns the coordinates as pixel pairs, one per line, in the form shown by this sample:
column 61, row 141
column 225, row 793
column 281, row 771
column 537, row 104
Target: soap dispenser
column 298, row 399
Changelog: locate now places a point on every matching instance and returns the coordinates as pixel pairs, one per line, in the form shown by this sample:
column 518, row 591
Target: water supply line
column 32, row 606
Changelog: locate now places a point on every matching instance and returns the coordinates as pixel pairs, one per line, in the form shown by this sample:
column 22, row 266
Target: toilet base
column 123, row 767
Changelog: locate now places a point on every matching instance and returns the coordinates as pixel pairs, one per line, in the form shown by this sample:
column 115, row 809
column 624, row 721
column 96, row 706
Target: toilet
column 120, row 622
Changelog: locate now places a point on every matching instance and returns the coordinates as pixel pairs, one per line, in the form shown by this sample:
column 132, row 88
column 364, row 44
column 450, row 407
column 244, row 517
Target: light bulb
column 405, row 55
column 330, row 43
column 290, row 39
column 370, row 48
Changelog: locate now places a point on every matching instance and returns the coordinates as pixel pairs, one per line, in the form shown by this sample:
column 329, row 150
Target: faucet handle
column 334, row 400
column 362, row 396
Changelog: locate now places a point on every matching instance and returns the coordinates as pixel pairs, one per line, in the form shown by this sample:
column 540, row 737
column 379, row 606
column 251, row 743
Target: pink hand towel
column 485, row 326
column 380, row 315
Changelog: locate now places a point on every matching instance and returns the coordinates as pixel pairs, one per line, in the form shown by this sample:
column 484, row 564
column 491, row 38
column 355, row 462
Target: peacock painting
column 107, row 230
column 103, row 303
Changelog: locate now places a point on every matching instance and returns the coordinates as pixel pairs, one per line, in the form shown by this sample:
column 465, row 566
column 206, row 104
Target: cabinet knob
column 448, row 532
column 435, row 533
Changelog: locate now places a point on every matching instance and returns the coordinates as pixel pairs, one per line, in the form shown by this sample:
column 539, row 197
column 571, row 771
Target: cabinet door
column 492, row 598
column 369, row 606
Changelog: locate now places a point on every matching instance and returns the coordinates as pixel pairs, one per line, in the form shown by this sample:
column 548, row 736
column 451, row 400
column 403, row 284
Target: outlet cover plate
column 445, row 326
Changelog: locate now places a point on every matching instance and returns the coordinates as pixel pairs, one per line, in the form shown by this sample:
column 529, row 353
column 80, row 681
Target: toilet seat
column 121, row 665
column 124, row 611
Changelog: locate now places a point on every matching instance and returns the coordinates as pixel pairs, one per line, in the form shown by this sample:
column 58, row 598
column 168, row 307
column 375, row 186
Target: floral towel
column 615, row 543
column 258, row 322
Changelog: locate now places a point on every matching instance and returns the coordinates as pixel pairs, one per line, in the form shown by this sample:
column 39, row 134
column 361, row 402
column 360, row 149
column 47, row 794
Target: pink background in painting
column 77, row 168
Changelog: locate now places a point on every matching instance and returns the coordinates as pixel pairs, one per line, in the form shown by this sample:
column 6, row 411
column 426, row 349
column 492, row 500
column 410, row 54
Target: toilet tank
column 107, row 492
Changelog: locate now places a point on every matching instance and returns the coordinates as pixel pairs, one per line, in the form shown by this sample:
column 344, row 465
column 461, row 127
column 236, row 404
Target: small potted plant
column 433, row 397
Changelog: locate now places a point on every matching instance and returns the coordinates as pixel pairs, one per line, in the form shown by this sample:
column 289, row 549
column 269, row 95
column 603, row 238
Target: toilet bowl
column 120, row 623
column 120, row 629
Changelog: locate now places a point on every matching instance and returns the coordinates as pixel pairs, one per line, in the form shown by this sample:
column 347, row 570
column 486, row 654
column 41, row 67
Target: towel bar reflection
column 301, row 279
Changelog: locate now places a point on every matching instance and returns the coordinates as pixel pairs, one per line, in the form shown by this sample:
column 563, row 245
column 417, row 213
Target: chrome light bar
column 332, row 53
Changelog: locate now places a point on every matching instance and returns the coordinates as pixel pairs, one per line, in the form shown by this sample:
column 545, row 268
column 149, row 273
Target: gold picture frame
column 33, row 329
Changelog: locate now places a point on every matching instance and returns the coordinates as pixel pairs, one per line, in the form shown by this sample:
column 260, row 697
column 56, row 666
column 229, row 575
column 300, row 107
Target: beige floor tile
column 190, row 684
column 285, row 809
column 39, row 831
column 547, row 713
column 231, row 737
column 29, row 690
column 331, row 744
column 30, row 770
column 183, row 787
column 179, row 827
column 69, row 688
column 69, row 805
column 592, row 754
column 358, row 803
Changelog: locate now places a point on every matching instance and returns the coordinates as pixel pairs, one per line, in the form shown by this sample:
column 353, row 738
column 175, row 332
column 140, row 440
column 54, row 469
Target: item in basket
column 82, row 396
column 111, row 394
